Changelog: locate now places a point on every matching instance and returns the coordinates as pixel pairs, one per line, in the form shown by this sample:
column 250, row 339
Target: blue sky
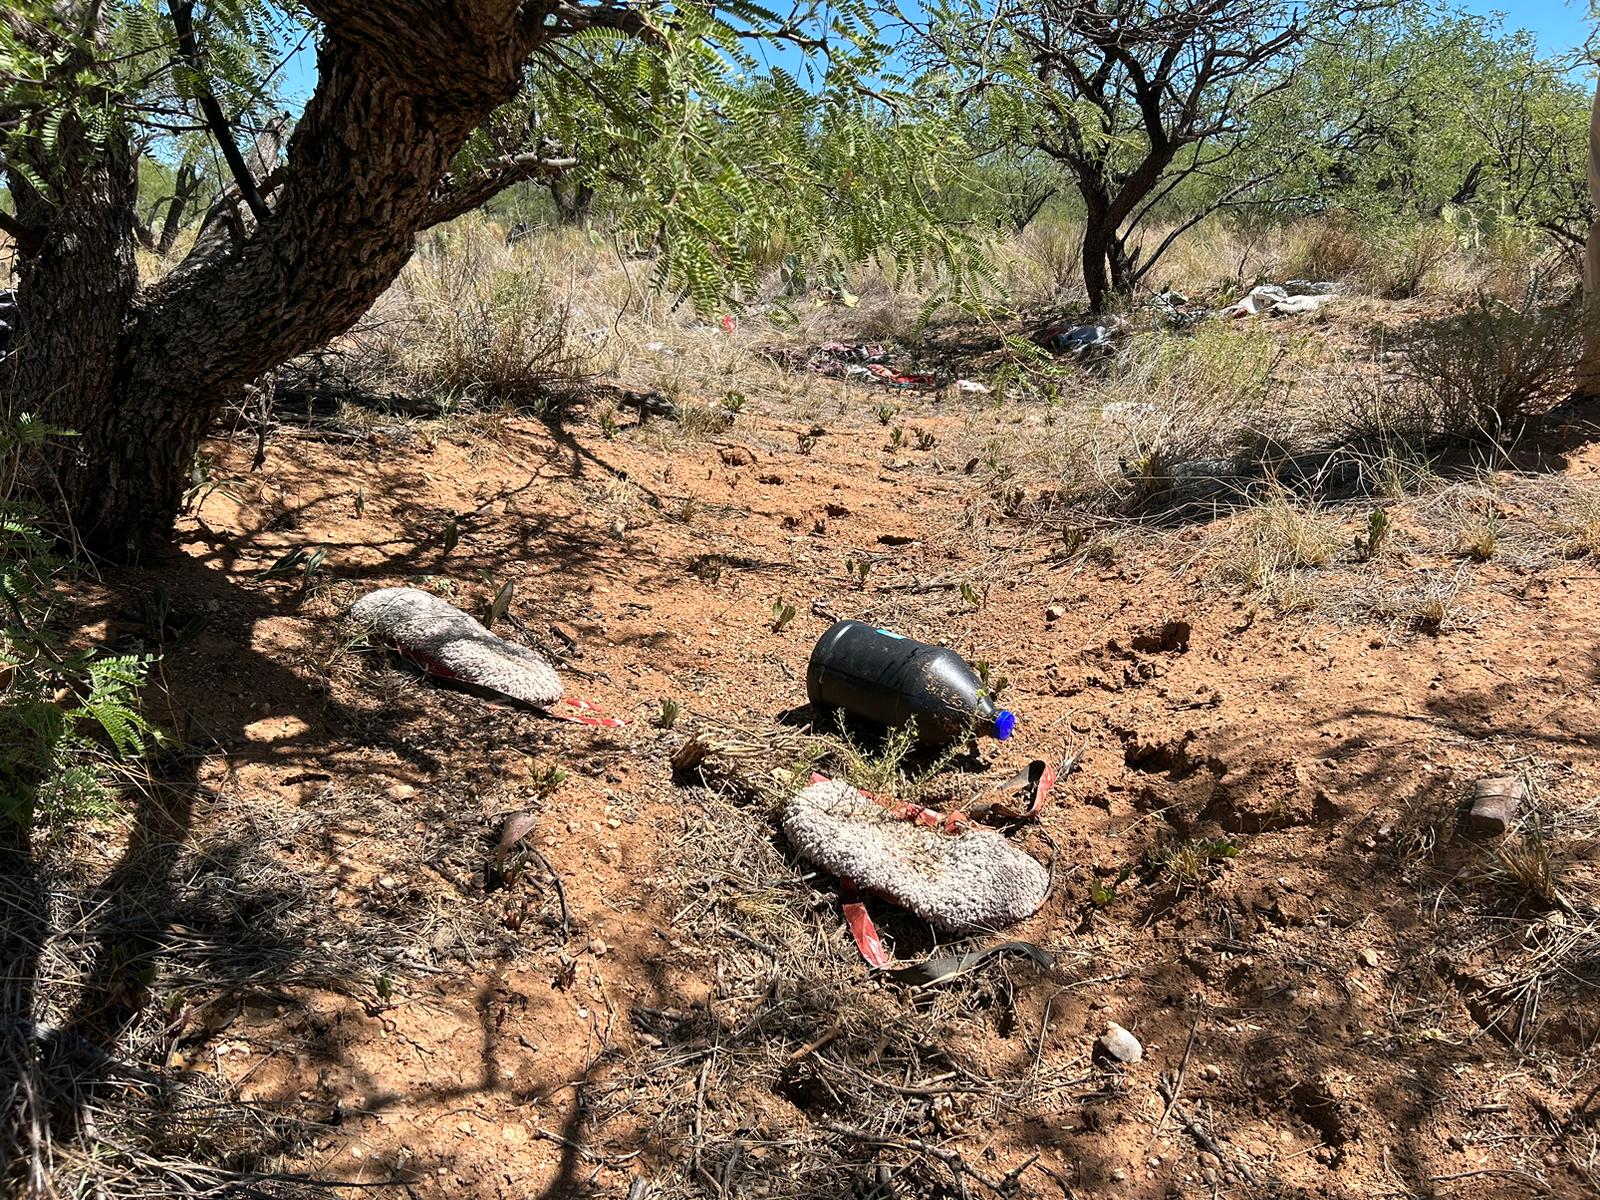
column 1560, row 25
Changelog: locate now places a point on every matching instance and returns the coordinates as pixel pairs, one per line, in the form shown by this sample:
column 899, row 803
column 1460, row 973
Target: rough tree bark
column 141, row 376
column 1589, row 367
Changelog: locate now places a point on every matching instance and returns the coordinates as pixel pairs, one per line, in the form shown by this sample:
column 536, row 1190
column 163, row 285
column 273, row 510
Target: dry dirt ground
column 1261, row 865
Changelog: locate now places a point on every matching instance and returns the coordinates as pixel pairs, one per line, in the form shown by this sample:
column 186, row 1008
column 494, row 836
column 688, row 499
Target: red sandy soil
column 1326, row 1000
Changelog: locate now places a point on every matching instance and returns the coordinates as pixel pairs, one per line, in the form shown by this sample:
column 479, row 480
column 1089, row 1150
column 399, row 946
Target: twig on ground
column 1177, row 1083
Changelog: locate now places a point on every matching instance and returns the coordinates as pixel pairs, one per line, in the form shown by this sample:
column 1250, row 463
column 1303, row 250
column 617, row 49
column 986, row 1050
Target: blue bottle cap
column 1005, row 723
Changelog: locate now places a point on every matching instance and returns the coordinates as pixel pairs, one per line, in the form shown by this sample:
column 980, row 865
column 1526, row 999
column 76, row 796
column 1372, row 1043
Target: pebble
column 1116, row 1042
column 597, row 947
column 1054, row 613
column 1118, row 1175
column 1370, row 957
column 1211, row 1071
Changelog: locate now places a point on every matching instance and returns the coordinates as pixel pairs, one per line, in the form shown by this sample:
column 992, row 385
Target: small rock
column 1118, row 1175
column 1370, row 957
column 1117, row 1043
column 597, row 947
column 1054, row 613
column 400, row 791
column 737, row 456
column 1495, row 802
column 388, row 882
column 1211, row 1071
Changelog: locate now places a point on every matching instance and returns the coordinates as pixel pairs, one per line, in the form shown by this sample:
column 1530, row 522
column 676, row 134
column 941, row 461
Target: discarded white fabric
column 1281, row 301
column 967, row 882
column 445, row 641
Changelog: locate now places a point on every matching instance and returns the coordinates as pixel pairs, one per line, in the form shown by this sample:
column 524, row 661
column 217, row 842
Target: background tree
column 1132, row 97
column 421, row 111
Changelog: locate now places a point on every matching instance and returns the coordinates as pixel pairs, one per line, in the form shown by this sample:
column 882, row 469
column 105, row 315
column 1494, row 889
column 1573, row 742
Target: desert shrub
column 475, row 324
column 1482, row 373
column 66, row 716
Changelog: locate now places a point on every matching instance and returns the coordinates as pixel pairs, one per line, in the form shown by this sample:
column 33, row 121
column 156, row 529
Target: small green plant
column 667, row 716
column 1192, row 863
column 162, row 626
column 1369, row 547
column 993, row 682
column 734, row 403
column 782, row 614
column 1101, row 895
column 544, row 778
column 204, row 481
column 974, row 596
column 885, row 413
column 452, row 536
column 609, row 427
column 69, row 719
column 926, row 440
column 501, row 602
column 298, row 561
column 361, row 501
column 858, row 569
column 897, row 437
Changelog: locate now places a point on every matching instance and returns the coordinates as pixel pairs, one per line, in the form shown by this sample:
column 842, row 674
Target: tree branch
column 453, row 198
column 28, row 239
column 183, row 21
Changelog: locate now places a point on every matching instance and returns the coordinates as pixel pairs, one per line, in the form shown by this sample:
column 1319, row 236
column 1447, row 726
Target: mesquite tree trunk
column 140, row 377
column 1589, row 367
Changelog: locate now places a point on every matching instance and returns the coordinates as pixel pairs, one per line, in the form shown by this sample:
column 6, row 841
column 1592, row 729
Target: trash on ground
column 952, row 966
column 446, row 642
column 1495, row 803
column 891, row 680
column 1305, row 287
column 1281, row 301
column 970, row 880
column 972, row 385
column 863, row 360
column 661, row 348
column 1082, row 341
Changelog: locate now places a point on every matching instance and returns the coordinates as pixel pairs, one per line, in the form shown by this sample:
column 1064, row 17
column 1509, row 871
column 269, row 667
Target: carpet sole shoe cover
column 445, row 641
column 967, row 882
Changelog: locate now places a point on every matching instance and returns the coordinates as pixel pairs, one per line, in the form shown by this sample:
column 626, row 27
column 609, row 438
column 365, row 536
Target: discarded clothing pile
column 1081, row 341
column 1294, row 298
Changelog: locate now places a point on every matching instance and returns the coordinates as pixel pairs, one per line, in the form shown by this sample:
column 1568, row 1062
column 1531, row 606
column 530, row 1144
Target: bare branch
column 183, row 21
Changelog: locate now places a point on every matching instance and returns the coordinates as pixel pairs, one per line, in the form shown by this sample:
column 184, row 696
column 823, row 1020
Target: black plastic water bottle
column 889, row 679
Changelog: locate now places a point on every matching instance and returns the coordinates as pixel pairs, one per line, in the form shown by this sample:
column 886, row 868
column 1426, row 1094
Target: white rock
column 1116, row 1042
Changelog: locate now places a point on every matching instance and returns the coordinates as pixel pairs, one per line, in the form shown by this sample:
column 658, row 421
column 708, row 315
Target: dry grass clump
column 1578, row 523
column 1268, row 548
column 1323, row 248
column 473, row 323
